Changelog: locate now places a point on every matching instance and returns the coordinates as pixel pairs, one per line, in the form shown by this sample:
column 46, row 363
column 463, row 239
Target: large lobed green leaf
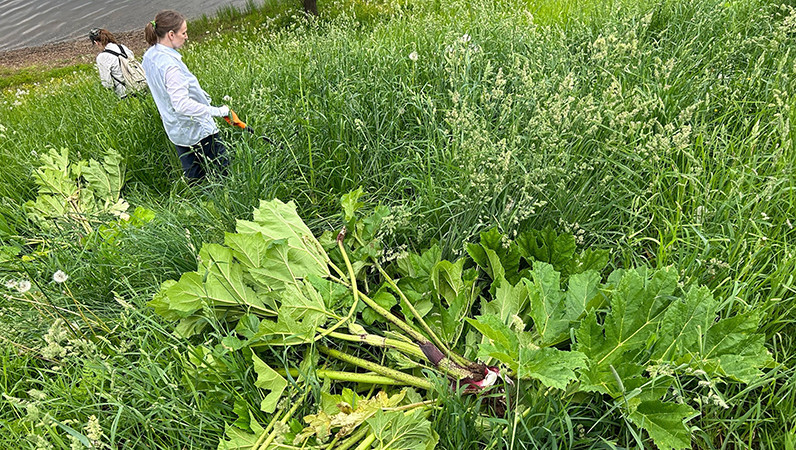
column 261, row 269
column 624, row 329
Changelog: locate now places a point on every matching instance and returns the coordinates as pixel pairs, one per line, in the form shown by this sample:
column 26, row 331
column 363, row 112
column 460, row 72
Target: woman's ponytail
column 165, row 21
column 150, row 35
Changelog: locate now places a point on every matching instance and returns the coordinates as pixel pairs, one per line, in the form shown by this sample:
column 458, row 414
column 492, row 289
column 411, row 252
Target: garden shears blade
column 235, row 121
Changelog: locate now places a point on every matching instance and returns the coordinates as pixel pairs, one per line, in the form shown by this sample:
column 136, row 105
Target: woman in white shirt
column 183, row 105
column 107, row 63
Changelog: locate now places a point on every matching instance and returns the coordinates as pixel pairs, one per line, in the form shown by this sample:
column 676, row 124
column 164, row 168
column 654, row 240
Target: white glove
column 221, row 111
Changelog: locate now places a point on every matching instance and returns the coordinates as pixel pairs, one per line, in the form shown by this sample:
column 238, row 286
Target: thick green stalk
column 337, row 375
column 448, row 366
column 379, row 341
column 378, row 368
column 272, row 435
column 351, row 440
column 414, row 334
column 367, row 442
column 354, row 289
column 455, row 357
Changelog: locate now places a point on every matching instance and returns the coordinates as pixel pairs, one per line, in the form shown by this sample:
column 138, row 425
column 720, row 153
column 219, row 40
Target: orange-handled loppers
column 235, row 121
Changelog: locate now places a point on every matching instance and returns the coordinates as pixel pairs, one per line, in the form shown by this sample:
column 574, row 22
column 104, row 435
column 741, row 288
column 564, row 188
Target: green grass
column 659, row 130
column 30, row 75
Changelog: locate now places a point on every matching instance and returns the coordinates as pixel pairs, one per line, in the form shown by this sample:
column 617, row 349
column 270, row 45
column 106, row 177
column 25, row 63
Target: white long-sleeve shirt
column 183, row 105
column 108, row 66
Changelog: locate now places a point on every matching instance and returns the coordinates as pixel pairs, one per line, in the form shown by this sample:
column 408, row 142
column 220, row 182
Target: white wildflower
column 59, row 276
column 11, row 284
column 465, row 38
column 75, row 444
column 227, row 98
column 93, row 429
column 37, row 394
column 23, row 286
column 413, row 56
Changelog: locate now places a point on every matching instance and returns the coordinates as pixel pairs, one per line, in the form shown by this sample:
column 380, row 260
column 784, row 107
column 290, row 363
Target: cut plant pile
column 529, row 311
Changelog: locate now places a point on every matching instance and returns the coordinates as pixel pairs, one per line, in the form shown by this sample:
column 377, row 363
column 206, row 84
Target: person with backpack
column 184, row 106
column 109, row 61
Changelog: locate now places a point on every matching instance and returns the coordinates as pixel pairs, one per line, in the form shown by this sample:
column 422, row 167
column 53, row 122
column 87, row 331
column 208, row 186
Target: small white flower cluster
column 56, row 335
column 94, row 431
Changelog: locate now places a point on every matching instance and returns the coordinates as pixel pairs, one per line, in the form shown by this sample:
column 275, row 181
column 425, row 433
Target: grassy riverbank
column 42, row 63
column 658, row 131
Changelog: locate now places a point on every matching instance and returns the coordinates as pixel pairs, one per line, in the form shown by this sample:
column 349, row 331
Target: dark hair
column 164, row 22
column 102, row 36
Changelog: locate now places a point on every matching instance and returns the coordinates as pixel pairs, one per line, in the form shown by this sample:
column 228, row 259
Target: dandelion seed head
column 23, row 286
column 413, row 56
column 60, row 276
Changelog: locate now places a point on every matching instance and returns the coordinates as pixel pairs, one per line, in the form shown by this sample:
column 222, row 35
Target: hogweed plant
column 530, row 311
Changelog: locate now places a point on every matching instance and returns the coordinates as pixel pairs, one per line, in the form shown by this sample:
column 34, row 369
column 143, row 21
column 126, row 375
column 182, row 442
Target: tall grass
column 660, row 130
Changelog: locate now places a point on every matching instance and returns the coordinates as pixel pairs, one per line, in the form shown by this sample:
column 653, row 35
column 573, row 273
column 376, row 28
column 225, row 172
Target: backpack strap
column 123, row 54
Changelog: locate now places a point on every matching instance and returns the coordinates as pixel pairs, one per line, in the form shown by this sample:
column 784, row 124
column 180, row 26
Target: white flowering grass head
column 60, row 276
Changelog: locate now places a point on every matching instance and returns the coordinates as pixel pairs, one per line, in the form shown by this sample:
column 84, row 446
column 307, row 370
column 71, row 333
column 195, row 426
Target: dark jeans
column 201, row 157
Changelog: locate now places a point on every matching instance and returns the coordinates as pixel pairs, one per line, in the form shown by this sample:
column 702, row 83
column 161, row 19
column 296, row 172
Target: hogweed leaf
column 636, row 310
column 176, row 300
column 736, row 348
column 238, row 439
column 546, row 302
column 504, row 251
column 508, row 301
column 285, row 331
column 303, row 303
column 649, row 326
column 420, row 266
column 588, row 260
column 301, row 312
column 276, row 221
column 452, row 318
column 269, row 380
column 248, row 248
column 105, row 179
column 383, row 298
column 553, row 367
column 665, row 422
column 583, row 294
column 504, row 339
column 407, row 431
column 224, row 281
column 547, row 246
column 683, row 323
column 350, row 203
column 345, row 413
column 446, row 277
column 284, row 264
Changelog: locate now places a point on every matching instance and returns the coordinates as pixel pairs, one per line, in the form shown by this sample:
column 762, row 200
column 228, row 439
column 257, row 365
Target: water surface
column 25, row 23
